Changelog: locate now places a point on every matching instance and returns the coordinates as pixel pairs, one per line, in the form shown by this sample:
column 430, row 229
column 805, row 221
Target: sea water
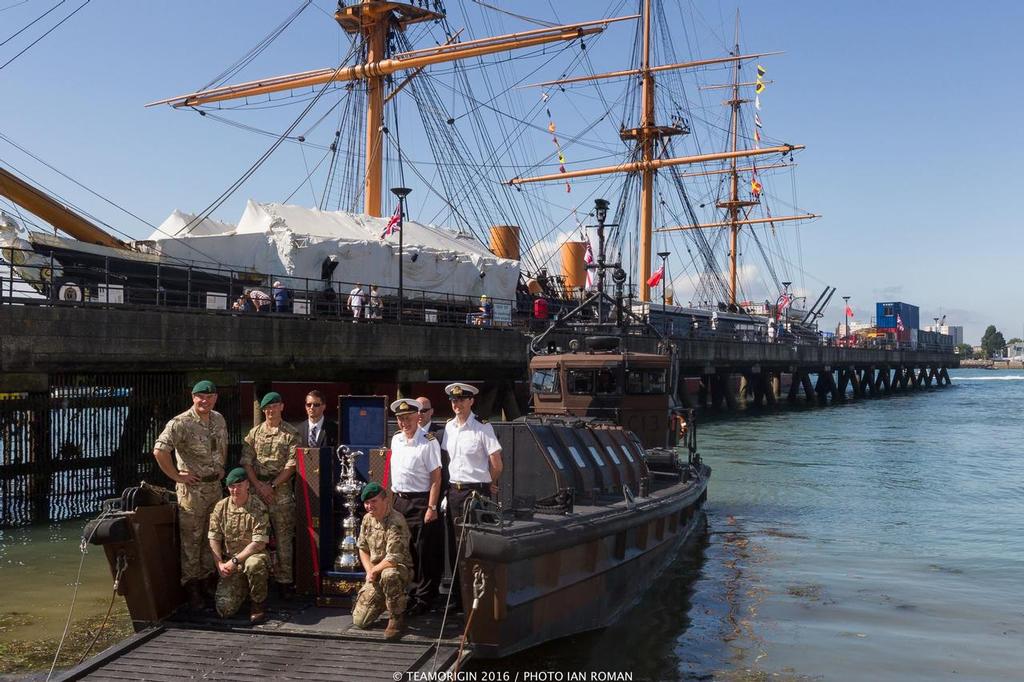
column 881, row 539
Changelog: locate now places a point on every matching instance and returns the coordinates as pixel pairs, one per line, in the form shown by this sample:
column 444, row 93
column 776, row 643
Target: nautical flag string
column 554, row 138
column 393, row 223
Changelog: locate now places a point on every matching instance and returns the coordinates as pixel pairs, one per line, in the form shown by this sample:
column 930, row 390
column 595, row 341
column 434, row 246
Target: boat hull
column 573, row 576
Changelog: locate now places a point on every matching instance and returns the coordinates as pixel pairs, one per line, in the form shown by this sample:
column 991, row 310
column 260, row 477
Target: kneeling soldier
column 384, row 552
column 239, row 530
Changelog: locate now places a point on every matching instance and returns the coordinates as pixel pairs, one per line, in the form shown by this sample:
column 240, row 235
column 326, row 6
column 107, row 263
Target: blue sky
column 908, row 111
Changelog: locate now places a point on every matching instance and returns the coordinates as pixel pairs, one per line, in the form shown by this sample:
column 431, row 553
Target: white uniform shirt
column 469, row 448
column 412, row 462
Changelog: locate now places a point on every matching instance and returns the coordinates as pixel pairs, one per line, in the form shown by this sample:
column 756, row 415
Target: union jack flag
column 899, row 324
column 588, row 259
column 394, row 223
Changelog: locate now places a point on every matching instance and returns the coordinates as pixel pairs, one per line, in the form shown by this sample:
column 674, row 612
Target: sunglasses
column 457, row 398
column 314, row 404
column 429, row 409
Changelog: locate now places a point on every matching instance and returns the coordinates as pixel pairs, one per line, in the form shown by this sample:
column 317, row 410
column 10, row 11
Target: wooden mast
column 373, row 19
column 646, row 136
column 734, row 179
column 648, row 133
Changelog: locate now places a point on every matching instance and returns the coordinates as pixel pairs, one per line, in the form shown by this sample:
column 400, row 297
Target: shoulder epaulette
column 429, row 436
column 482, row 421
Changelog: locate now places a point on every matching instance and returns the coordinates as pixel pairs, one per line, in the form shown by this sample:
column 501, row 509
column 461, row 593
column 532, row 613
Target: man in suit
column 317, row 431
column 428, row 426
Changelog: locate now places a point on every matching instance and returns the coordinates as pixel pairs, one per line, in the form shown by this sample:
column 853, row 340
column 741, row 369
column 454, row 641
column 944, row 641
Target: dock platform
column 308, row 642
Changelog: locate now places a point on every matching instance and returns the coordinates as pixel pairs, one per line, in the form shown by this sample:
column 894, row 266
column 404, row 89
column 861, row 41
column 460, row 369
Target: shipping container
column 889, row 315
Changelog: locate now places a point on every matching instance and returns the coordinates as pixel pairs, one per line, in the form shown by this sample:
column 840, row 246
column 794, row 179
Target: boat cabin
column 629, row 389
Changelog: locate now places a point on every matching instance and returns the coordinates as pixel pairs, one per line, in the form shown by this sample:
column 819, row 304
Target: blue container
column 886, row 313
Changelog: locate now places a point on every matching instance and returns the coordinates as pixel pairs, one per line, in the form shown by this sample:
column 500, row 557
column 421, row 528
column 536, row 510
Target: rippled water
column 876, row 540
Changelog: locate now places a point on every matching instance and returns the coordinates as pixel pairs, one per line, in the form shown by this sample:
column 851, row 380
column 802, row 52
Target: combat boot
column 195, row 596
column 258, row 612
column 395, row 628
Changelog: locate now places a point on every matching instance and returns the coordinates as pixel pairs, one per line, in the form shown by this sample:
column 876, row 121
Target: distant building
column 949, row 330
column 1015, row 349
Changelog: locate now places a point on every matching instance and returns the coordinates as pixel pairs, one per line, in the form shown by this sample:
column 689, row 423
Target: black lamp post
column 664, row 257
column 601, row 214
column 401, row 193
column 785, row 293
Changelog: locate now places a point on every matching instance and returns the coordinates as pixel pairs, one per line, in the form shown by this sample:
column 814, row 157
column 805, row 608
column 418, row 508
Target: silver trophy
column 348, row 489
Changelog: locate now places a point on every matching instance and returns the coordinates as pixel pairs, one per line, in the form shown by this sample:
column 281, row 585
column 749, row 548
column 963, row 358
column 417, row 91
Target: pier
column 86, row 386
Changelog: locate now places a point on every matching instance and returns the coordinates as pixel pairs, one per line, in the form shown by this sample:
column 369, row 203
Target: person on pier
column 198, row 437
column 239, row 531
column 384, row 553
column 268, row 456
column 415, row 467
column 475, row 467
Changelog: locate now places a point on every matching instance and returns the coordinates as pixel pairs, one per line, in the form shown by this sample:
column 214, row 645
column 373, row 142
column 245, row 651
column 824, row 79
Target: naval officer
column 416, row 482
column 475, row 464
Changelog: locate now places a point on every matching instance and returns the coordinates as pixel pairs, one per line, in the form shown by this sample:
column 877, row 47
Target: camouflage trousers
column 389, row 591
column 282, row 520
column 248, row 581
column 195, row 502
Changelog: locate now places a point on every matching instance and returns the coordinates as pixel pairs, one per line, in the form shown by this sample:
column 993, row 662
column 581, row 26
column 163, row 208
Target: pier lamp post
column 600, row 214
column 846, row 314
column 401, row 193
column 664, row 257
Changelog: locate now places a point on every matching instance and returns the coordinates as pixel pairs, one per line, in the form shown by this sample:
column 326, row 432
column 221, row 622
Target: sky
column 907, row 110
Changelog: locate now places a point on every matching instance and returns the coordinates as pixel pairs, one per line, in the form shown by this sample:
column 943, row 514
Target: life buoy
column 70, row 292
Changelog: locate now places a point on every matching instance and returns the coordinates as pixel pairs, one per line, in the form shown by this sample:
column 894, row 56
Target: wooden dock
column 308, row 643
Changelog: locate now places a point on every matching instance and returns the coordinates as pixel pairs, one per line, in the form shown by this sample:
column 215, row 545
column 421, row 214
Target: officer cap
column 406, row 406
column 372, row 489
column 236, row 475
column 270, row 399
column 204, row 386
column 459, row 390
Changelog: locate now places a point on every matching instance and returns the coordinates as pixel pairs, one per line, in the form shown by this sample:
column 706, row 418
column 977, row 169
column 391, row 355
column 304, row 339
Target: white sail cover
column 291, row 242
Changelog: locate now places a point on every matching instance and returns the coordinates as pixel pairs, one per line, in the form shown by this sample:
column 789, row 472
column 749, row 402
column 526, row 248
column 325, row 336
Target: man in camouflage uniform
column 199, row 439
column 384, row 552
column 239, row 530
column 268, row 455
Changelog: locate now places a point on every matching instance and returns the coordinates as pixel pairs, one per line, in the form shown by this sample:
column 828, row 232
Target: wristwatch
column 432, row 507
column 235, row 561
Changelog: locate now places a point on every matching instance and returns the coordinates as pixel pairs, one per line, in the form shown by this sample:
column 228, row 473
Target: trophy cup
column 348, row 490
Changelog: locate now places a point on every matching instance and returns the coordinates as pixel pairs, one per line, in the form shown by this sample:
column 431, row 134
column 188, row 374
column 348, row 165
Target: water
column 880, row 539
column 876, row 540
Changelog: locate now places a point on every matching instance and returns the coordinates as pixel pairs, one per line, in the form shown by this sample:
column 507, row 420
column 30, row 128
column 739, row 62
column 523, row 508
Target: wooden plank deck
column 305, row 643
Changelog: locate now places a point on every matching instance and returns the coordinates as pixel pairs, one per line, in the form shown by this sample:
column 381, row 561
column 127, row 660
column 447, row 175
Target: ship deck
column 302, row 641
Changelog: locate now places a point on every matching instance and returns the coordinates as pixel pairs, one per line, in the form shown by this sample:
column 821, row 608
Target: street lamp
column 401, row 193
column 664, row 257
column 846, row 314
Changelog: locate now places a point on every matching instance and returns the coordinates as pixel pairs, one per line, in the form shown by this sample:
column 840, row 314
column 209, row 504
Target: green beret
column 372, row 489
column 236, row 475
column 270, row 399
column 204, row 386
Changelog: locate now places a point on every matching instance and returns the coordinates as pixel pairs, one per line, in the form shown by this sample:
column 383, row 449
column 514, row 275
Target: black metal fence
column 87, row 438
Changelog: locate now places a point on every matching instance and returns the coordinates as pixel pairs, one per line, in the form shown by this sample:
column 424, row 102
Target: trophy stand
column 341, row 584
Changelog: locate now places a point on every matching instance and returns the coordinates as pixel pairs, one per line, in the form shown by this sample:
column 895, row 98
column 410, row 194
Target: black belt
column 470, row 486
column 412, row 496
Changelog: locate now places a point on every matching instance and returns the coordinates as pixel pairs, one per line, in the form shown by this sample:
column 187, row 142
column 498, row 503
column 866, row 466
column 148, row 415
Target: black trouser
column 458, row 494
column 426, row 545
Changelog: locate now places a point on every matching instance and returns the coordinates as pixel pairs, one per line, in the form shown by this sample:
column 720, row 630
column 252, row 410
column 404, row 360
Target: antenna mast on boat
column 646, row 135
column 373, row 19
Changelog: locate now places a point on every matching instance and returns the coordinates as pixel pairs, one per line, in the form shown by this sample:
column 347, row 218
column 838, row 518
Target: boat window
column 545, row 381
column 645, row 381
column 625, row 451
column 595, row 455
column 611, row 453
column 576, row 456
column 580, row 381
column 888, row 310
column 607, row 382
column 555, row 458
